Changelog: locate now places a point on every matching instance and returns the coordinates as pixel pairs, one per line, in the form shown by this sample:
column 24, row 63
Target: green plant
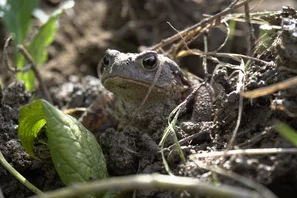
column 16, row 16
column 288, row 132
column 74, row 150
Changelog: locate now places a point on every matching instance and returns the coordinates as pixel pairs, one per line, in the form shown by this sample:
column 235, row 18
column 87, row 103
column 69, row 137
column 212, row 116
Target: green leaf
column 37, row 50
column 17, row 17
column 37, row 47
column 287, row 132
column 74, row 150
column 17, row 20
column 31, row 120
column 46, row 35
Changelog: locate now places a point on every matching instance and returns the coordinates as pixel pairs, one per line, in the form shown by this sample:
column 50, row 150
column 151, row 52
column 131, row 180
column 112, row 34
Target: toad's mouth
column 132, row 90
column 119, row 82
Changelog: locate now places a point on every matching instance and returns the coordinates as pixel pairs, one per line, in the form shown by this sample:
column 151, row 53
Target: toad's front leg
column 202, row 117
column 202, row 105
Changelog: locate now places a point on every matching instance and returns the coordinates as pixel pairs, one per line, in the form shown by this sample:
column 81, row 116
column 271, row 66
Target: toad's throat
column 132, row 90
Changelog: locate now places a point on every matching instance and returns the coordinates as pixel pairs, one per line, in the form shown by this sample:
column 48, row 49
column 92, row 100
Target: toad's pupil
column 149, row 62
column 105, row 60
column 105, row 63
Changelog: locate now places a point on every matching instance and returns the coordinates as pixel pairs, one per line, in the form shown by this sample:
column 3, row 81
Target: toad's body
column 130, row 77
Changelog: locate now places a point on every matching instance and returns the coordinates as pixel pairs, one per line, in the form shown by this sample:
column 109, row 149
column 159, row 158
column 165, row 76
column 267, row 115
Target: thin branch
column 182, row 38
column 6, row 58
column 31, row 65
column 175, row 112
column 204, row 58
column 229, row 55
column 240, row 87
column 251, row 31
column 256, row 5
column 155, row 182
column 206, row 28
column 263, row 151
column 234, row 56
column 29, row 59
column 203, row 22
column 276, row 105
column 233, row 4
column 187, row 139
column 239, row 178
column 226, row 38
column 270, row 89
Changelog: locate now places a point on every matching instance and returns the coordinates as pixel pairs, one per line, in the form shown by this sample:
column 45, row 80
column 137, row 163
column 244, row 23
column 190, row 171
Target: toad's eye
column 149, row 62
column 105, row 63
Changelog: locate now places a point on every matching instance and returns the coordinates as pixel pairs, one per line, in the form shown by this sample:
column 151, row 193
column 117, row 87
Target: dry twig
column 243, row 180
column 154, row 181
column 270, row 89
column 262, row 151
column 251, row 33
column 42, row 85
column 240, row 87
column 31, row 65
column 6, row 58
column 193, row 30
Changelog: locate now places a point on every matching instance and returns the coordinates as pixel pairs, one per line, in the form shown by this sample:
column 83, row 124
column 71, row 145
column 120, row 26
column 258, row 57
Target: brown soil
column 93, row 26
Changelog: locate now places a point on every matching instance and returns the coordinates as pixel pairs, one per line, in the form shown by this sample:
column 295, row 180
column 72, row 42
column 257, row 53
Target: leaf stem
column 18, row 176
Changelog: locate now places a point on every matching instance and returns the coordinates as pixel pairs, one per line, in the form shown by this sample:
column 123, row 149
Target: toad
column 148, row 86
column 142, row 90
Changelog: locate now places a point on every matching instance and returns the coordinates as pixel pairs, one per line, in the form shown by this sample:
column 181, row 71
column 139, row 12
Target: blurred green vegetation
column 17, row 18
